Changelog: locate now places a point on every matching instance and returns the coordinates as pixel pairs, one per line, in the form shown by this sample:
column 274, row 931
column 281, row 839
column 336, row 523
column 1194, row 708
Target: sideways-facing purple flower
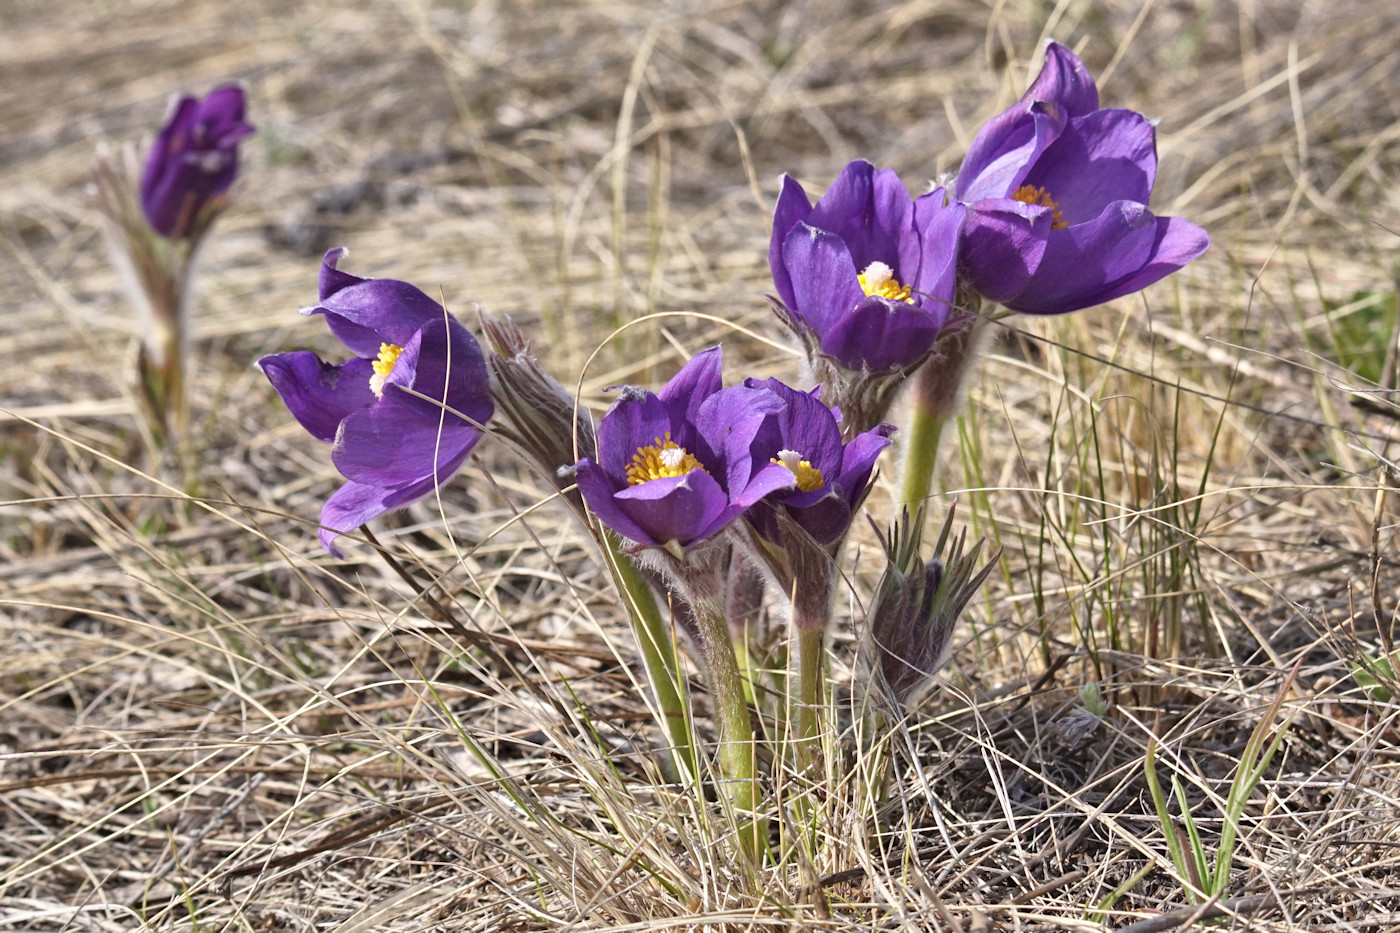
column 832, row 478
column 193, row 161
column 393, row 446
column 674, row 468
column 866, row 276
column 1056, row 191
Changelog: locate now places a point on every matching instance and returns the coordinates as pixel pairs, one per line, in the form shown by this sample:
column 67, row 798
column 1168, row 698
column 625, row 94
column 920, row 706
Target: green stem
column 658, row 655
column 737, row 759
column 921, row 454
column 934, row 401
column 811, row 698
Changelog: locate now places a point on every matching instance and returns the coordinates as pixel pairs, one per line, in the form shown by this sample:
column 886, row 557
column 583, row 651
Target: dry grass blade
column 207, row 724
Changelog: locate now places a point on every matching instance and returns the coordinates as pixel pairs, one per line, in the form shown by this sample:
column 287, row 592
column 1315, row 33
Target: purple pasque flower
column 1056, row 191
column 193, row 161
column 832, row 478
column 866, row 276
column 675, row 467
column 392, row 445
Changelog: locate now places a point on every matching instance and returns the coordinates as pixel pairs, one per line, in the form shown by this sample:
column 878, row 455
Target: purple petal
column 1006, row 148
column 355, row 504
column 728, row 422
column 444, row 362
column 222, row 114
column 332, row 279
column 635, row 420
column 858, row 460
column 826, row 519
column 698, row 379
column 1107, row 156
column 808, row 427
column 881, row 335
column 373, row 311
column 939, row 224
column 386, row 444
column 1003, row 244
column 681, row 508
column 318, row 394
column 872, row 213
column 597, row 490
column 1177, row 242
column 1085, row 264
column 1064, row 79
column 770, row 479
column 824, row 276
column 793, row 207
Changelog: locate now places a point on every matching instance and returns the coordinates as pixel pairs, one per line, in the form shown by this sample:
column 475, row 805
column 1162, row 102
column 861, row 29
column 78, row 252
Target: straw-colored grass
column 207, row 724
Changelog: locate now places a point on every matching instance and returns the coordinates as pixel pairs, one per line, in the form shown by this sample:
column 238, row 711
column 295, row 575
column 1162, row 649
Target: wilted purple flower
column 832, row 478
column 1057, row 193
column 675, row 467
column 193, row 161
column 392, row 445
column 866, row 276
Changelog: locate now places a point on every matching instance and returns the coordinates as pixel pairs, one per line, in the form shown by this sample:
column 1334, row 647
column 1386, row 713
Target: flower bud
column 193, row 162
column 917, row 604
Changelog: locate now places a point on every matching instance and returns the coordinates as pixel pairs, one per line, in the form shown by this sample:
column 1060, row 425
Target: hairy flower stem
column 921, row 454
column 933, row 402
column 811, row 692
column 737, row 754
column 658, row 655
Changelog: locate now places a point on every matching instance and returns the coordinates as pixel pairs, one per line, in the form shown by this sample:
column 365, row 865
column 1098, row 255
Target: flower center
column 808, row 476
column 878, row 280
column 389, row 354
column 661, row 460
column 1039, row 197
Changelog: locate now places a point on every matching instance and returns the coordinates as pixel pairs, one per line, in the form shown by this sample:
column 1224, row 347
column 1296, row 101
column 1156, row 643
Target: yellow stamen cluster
column 660, row 460
column 1038, row 196
column 389, row 354
column 808, row 476
column 878, row 280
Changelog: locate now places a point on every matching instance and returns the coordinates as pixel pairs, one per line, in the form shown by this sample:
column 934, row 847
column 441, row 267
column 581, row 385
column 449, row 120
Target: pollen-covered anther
column 662, row 459
column 808, row 476
column 389, row 354
column 878, row 280
column 1039, row 197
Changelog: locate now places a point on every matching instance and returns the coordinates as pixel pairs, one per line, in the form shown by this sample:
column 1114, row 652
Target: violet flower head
column 832, row 478
column 866, row 276
column 1056, row 191
column 193, row 161
column 676, row 467
column 393, row 446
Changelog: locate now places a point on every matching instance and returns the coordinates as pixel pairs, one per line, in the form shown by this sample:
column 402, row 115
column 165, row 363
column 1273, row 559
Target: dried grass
column 206, row 724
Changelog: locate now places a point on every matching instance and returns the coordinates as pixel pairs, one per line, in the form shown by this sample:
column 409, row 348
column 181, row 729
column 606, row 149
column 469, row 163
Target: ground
column 208, row 723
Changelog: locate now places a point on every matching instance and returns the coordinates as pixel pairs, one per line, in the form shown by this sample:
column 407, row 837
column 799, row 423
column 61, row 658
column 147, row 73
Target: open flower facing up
column 866, row 276
column 193, row 161
column 675, row 467
column 1056, row 190
column 391, row 444
column 832, row 478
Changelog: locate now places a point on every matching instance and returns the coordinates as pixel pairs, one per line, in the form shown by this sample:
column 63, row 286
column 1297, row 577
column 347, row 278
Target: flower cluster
column 709, row 486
